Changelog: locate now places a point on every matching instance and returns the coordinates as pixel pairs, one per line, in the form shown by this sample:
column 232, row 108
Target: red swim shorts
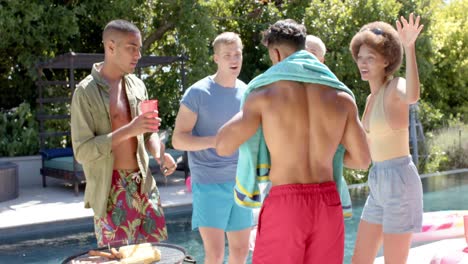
column 301, row 223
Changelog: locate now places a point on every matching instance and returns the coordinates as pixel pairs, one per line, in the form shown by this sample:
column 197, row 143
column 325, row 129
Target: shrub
column 457, row 157
column 448, row 147
column 433, row 161
column 355, row 176
column 19, row 132
column 431, row 118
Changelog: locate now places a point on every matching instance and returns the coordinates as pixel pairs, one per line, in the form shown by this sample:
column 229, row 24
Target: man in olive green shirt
column 111, row 137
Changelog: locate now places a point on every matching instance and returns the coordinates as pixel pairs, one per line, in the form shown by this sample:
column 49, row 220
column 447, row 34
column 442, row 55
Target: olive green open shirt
column 92, row 139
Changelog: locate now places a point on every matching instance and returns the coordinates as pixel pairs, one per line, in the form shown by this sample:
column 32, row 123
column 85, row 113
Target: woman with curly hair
column 394, row 207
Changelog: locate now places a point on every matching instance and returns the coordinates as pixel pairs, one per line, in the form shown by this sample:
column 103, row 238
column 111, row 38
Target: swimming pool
column 443, row 192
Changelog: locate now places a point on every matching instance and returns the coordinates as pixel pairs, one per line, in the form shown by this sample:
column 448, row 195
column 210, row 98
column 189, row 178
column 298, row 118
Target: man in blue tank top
column 205, row 107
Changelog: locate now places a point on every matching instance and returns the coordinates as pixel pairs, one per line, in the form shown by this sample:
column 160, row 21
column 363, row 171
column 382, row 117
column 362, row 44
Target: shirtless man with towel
column 303, row 117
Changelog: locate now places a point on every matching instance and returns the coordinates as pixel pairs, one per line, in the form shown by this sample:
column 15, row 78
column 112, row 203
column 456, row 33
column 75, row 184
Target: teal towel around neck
column 254, row 158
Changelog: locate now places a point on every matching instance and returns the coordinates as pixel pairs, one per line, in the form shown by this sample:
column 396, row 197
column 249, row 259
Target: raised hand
column 409, row 30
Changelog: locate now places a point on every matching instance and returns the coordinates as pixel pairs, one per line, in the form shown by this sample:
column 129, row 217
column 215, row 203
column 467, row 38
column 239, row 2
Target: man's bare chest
column 119, row 107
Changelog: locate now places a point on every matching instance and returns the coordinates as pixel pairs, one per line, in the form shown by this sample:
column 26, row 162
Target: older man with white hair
column 316, row 46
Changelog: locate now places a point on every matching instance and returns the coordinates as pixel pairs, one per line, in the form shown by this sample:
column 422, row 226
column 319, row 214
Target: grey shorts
column 395, row 199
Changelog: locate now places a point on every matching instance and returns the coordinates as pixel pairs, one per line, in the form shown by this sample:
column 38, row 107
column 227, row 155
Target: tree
column 29, row 31
column 35, row 31
column 447, row 89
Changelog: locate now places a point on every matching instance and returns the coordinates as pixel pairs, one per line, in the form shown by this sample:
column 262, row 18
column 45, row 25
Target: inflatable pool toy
column 188, row 184
column 458, row 257
column 451, row 251
column 441, row 225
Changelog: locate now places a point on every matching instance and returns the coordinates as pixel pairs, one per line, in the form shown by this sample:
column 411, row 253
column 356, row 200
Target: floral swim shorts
column 131, row 217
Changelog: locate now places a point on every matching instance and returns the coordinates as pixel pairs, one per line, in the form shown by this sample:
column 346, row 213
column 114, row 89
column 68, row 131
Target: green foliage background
column 19, row 131
column 38, row 30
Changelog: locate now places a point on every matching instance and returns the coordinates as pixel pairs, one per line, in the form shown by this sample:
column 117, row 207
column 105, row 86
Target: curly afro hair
column 382, row 38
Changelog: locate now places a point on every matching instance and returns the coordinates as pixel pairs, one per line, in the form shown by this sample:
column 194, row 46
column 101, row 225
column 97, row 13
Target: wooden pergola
column 70, row 62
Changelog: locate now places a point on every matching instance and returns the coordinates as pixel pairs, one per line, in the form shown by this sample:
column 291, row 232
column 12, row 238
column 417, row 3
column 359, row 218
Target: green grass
column 449, row 137
column 448, row 149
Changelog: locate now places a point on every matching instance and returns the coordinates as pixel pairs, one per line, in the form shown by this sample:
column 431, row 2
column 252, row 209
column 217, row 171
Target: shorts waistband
column 392, row 162
column 128, row 171
column 129, row 175
column 302, row 188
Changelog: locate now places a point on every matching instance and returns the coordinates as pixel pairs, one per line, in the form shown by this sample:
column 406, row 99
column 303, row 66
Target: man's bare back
column 124, row 153
column 303, row 125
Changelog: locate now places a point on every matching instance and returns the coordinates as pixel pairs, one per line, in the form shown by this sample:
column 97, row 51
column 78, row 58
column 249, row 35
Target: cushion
column 48, row 154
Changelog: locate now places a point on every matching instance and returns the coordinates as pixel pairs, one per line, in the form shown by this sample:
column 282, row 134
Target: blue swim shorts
column 395, row 200
column 214, row 206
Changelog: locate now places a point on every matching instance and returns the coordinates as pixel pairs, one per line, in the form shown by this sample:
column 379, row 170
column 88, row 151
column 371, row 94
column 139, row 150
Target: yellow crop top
column 384, row 142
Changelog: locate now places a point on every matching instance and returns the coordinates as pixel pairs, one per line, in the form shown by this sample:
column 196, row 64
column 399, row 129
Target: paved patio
column 56, row 207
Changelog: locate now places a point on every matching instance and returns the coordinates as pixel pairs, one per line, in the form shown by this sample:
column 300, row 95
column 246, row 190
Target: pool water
column 447, row 192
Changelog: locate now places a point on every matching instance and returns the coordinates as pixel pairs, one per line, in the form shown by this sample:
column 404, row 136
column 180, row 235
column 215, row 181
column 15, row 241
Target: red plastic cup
column 149, row 106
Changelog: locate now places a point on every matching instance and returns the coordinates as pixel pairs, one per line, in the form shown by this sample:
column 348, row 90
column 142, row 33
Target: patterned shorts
column 131, row 217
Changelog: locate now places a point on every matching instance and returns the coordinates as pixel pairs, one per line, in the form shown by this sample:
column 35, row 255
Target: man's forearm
column 155, row 146
column 352, row 162
column 120, row 135
column 349, row 163
column 188, row 142
column 225, row 146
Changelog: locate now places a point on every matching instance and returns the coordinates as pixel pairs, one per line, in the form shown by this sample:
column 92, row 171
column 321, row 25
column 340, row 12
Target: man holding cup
column 111, row 136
